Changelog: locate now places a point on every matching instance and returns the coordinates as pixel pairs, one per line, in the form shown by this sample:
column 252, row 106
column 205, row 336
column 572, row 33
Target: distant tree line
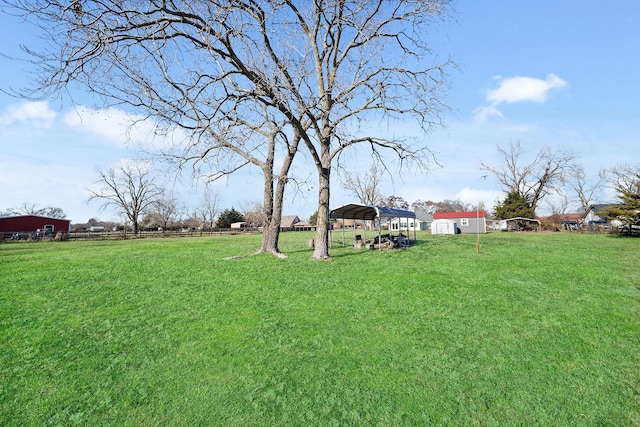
column 33, row 209
column 550, row 172
column 548, row 176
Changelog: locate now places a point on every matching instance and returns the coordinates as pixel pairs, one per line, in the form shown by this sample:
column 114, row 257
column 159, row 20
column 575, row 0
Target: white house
column 406, row 224
column 422, row 221
column 596, row 216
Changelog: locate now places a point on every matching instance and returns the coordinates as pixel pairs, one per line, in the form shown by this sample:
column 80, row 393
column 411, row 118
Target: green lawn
column 537, row 329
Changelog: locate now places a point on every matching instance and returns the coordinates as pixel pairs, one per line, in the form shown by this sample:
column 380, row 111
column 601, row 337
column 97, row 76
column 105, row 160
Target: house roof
column 302, row 224
column 289, row 220
column 423, row 216
column 453, row 215
column 599, row 207
column 572, row 217
column 360, row 211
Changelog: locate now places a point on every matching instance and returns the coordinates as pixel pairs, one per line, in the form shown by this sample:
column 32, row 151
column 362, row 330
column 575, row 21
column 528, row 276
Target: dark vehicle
column 37, row 235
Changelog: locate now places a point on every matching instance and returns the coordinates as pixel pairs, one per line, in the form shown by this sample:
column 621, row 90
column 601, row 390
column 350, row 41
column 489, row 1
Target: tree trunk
column 273, row 199
column 271, row 230
column 270, row 237
column 321, row 243
column 270, row 233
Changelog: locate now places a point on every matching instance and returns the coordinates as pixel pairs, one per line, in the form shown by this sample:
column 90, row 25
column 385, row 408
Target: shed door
column 442, row 228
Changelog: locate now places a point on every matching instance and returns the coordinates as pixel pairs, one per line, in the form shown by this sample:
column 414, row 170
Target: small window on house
column 49, row 227
column 464, row 222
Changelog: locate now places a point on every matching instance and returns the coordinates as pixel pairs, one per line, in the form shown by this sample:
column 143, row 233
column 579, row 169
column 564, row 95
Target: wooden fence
column 118, row 235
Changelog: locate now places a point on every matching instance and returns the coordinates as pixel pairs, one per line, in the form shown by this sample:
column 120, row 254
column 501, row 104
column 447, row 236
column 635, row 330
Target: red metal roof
column 453, row 215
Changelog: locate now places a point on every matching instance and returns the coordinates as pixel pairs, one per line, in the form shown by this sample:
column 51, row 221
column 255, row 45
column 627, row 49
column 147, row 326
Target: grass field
column 537, row 329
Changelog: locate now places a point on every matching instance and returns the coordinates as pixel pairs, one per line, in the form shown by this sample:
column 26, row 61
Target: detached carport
column 356, row 211
column 519, row 224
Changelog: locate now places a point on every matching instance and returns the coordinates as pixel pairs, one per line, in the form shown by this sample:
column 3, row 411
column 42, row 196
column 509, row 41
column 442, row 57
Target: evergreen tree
column 629, row 210
column 313, row 219
column 514, row 206
column 228, row 217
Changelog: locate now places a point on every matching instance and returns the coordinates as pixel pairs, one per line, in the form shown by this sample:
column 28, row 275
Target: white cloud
column 517, row 89
column 35, row 114
column 115, row 125
column 482, row 114
column 122, row 128
column 522, row 89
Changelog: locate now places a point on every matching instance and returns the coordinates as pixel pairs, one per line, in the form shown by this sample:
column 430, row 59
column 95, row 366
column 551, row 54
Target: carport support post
column 415, row 235
column 364, row 229
column 355, row 230
column 332, row 224
column 390, row 219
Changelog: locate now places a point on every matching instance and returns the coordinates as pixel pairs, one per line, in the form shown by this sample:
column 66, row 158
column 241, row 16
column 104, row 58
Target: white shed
column 443, row 226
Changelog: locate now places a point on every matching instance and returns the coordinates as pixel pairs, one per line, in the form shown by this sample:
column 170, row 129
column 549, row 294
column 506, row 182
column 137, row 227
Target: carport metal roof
column 368, row 212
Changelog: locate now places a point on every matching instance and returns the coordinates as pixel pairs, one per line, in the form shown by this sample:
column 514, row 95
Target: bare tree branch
column 536, row 179
column 624, row 177
column 129, row 187
column 325, row 72
column 586, row 190
column 364, row 187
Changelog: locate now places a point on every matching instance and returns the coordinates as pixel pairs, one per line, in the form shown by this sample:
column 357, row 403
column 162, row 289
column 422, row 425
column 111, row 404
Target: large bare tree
column 165, row 212
column 533, row 180
column 624, row 177
column 129, row 187
column 586, row 189
column 364, row 187
column 369, row 60
column 328, row 71
column 446, row 205
column 242, row 137
column 207, row 212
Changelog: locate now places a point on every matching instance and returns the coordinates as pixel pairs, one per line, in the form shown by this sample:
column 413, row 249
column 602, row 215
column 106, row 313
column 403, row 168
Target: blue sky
column 557, row 73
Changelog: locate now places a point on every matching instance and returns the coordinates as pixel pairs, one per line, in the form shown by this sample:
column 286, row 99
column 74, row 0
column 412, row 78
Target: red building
column 29, row 224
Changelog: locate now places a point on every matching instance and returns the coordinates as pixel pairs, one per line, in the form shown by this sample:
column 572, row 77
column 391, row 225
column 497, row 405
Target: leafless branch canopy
column 586, row 190
column 327, row 72
column 366, row 188
column 533, row 180
column 624, row 177
column 323, row 65
column 129, row 187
